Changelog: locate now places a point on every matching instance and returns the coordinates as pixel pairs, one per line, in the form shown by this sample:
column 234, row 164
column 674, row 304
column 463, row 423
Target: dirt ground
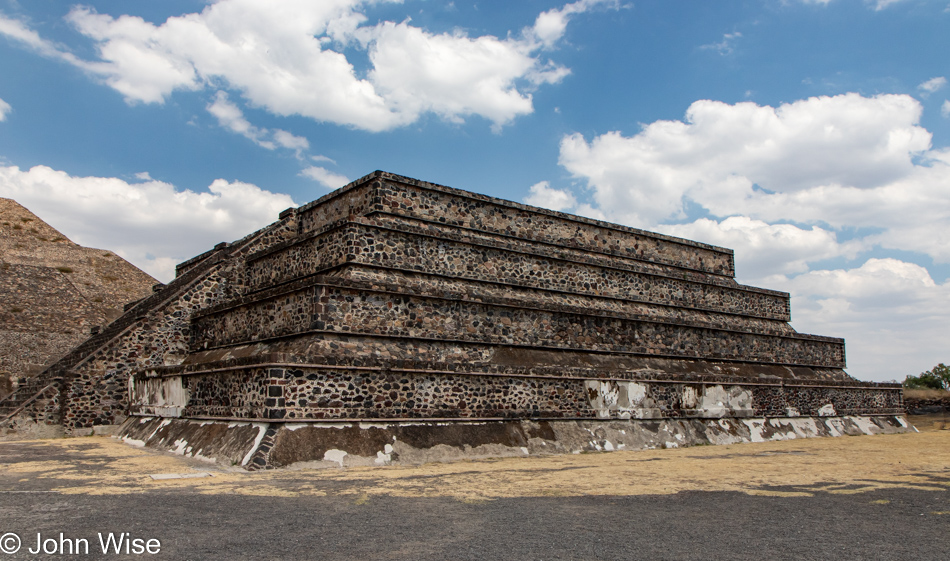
column 844, row 465
column 850, row 498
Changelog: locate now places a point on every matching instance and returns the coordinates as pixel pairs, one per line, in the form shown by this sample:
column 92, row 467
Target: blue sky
column 813, row 137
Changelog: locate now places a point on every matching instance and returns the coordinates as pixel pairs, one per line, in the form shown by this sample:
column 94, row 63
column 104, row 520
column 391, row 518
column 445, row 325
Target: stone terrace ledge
column 383, row 192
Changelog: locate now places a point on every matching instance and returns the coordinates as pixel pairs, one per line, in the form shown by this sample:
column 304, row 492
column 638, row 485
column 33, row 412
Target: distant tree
column 937, row 378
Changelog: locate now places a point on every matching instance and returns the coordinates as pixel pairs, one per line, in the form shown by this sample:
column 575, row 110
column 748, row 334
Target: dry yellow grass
column 789, row 468
column 926, row 394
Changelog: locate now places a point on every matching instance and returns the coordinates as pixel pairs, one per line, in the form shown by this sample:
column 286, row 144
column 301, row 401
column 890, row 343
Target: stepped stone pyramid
column 53, row 292
column 399, row 320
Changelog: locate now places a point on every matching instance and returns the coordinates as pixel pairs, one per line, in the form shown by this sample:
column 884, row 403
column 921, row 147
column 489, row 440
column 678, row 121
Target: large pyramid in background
column 53, row 291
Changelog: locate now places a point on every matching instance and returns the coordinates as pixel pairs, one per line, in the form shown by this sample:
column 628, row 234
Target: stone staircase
column 55, row 378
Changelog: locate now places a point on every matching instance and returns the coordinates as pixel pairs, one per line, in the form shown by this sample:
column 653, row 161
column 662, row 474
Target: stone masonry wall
column 445, row 205
column 357, row 243
column 421, row 283
column 344, row 309
column 387, row 221
column 329, row 210
column 290, row 393
column 98, row 389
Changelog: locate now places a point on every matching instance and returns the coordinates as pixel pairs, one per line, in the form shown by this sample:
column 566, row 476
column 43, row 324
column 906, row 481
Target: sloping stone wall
column 333, row 306
column 461, row 209
column 513, row 264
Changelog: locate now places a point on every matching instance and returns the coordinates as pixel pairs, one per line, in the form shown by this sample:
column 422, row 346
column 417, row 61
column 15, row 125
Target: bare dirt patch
column 844, row 465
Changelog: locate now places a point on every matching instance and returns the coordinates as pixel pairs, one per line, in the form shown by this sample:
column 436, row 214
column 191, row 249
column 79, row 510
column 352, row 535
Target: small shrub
column 937, row 378
column 17, row 227
column 64, row 269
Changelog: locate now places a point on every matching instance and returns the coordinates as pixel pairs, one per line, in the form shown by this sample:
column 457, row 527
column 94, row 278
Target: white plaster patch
column 133, row 442
column 181, row 447
column 755, row 429
column 334, row 456
column 827, row 411
column 261, row 429
column 162, row 396
column 784, row 430
column 365, row 426
column 806, row 427
column 690, row 397
column 836, row 425
column 608, row 446
column 792, row 412
column 621, row 400
column 717, row 401
column 524, row 450
column 866, row 425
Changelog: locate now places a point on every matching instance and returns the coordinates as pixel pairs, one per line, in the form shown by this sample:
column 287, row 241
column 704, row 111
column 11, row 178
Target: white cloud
column 289, row 60
column 724, row 47
column 893, row 316
column 20, row 32
column 847, row 161
column 232, row 118
column 852, row 174
column 544, row 196
column 325, row 177
column 152, row 224
column 4, row 110
column 876, row 4
column 945, row 108
column 288, row 140
column 763, row 250
column 932, row 85
column 550, row 26
column 881, row 4
column 453, row 75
